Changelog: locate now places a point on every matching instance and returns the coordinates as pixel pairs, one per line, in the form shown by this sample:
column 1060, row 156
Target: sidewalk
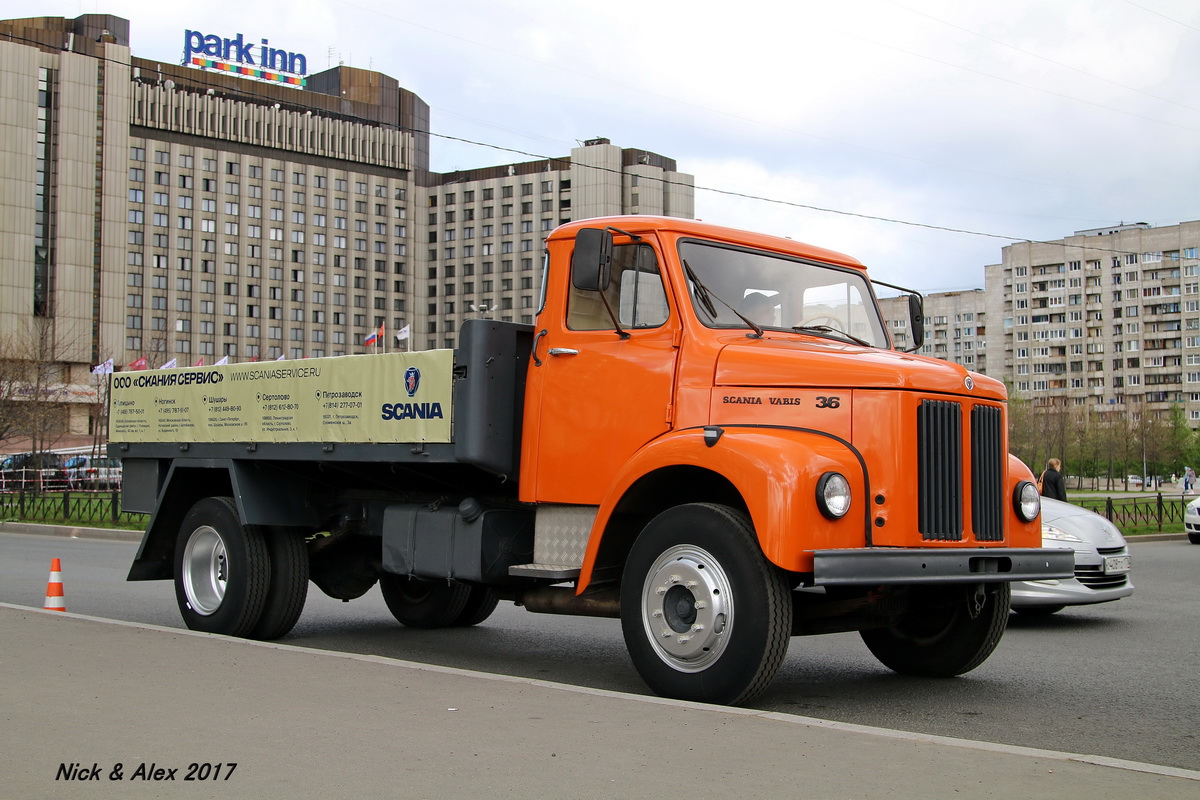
column 310, row 723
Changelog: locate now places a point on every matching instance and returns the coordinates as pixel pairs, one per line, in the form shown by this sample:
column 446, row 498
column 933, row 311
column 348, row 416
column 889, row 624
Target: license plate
column 1115, row 565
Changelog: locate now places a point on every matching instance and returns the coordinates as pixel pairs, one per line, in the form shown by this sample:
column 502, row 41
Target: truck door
column 602, row 388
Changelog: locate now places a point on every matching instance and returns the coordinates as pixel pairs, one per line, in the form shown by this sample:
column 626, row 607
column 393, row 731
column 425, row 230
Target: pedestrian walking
column 1051, row 483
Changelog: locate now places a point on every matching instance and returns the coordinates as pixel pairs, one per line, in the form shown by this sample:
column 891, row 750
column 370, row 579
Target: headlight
column 833, row 495
column 1026, row 501
column 1057, row 534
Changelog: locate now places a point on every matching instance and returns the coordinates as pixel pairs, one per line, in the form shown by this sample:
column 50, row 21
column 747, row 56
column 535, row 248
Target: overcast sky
column 1022, row 119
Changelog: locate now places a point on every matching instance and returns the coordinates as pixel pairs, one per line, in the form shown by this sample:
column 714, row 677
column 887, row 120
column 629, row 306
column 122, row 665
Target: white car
column 1102, row 561
column 1191, row 521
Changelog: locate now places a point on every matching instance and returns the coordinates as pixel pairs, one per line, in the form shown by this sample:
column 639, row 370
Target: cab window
column 635, row 294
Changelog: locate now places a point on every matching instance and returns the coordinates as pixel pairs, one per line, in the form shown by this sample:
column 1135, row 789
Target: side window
column 635, row 294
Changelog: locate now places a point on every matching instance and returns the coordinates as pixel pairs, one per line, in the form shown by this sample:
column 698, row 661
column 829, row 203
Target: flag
column 141, row 363
column 280, row 357
column 199, row 362
column 103, row 369
column 224, row 360
column 170, row 364
column 402, row 334
column 374, row 336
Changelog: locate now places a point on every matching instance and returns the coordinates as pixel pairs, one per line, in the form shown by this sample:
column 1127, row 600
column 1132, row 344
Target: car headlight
column 1027, row 502
column 1058, row 534
column 833, row 495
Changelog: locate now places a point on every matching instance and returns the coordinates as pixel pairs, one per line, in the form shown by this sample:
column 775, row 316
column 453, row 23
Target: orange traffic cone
column 54, row 589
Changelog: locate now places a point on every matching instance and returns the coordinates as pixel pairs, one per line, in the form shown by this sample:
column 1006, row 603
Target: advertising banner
column 390, row 397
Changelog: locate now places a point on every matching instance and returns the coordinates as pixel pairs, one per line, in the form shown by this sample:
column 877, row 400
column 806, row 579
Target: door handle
column 533, row 350
column 563, row 351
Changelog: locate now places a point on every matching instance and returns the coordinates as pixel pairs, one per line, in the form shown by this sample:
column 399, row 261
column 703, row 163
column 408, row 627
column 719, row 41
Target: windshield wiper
column 706, row 298
column 837, row 333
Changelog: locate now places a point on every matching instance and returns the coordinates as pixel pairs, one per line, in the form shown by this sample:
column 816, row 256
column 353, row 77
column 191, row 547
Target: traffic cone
column 54, row 589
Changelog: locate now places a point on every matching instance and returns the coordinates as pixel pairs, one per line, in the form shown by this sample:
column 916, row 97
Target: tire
column 1037, row 611
column 1194, row 538
column 288, row 587
column 481, row 602
column 705, row 616
column 426, row 604
column 222, row 570
column 943, row 641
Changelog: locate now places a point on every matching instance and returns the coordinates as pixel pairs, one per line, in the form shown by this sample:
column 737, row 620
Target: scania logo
column 970, row 383
column 412, row 380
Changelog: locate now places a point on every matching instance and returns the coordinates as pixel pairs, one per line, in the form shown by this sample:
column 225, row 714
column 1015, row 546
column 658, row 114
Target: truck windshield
column 780, row 293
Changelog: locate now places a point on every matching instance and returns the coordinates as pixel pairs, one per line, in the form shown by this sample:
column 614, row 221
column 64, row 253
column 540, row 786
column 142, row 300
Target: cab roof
column 636, row 223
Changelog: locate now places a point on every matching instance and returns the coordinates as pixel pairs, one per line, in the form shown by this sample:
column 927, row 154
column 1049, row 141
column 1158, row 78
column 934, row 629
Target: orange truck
column 707, row 434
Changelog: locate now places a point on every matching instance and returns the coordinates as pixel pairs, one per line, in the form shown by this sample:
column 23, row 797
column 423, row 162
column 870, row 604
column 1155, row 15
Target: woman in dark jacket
column 1053, row 485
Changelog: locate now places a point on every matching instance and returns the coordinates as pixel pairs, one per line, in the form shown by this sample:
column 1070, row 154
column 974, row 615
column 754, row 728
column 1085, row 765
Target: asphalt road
column 1112, row 680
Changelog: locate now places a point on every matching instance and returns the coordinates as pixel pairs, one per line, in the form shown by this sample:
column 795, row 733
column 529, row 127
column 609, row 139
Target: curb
column 42, row 529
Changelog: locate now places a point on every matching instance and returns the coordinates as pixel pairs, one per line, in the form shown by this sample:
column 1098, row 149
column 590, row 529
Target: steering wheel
column 828, row 322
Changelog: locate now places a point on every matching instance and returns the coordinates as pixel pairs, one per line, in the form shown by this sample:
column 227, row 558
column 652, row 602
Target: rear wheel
column 481, row 602
column 222, row 570
column 288, row 587
column 953, row 634
column 705, row 616
column 419, row 603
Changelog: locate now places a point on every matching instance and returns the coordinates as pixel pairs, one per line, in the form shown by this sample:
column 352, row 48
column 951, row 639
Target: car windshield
column 730, row 285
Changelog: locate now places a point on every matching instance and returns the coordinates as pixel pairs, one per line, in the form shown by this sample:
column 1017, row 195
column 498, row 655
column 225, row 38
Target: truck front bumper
column 878, row 566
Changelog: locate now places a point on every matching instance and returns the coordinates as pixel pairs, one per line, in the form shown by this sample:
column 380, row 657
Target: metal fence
column 1153, row 510
column 68, row 507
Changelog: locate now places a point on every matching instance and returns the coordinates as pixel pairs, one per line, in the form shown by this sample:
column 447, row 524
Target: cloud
column 1027, row 119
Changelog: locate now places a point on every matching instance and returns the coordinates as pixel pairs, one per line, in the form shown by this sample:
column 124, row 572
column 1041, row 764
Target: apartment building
column 1107, row 317
column 171, row 212
column 955, row 326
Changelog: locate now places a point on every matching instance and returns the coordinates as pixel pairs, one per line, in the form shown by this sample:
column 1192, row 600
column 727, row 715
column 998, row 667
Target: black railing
column 1152, row 510
column 68, row 508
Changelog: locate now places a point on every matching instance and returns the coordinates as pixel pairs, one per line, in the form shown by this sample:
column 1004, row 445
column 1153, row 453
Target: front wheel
column 954, row 632
column 705, row 616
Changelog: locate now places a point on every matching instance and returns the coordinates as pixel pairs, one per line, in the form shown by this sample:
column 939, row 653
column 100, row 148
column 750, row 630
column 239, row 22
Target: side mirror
column 916, row 317
column 591, row 263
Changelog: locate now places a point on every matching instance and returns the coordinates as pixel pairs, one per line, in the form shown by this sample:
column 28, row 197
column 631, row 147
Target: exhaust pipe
column 563, row 600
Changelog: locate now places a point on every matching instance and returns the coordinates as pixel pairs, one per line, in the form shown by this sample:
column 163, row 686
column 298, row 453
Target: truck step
column 560, row 572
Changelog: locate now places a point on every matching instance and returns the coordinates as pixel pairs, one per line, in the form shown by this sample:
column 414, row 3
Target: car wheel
column 705, row 616
column 948, row 637
column 1194, row 538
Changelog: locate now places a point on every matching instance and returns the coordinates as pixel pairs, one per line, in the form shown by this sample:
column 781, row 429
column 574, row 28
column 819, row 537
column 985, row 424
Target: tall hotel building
column 170, row 212
column 1107, row 317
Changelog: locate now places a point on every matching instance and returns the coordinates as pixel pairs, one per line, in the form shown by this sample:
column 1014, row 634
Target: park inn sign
column 242, row 57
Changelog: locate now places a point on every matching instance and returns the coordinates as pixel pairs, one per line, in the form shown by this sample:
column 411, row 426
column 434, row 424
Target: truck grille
column 987, row 473
column 940, row 471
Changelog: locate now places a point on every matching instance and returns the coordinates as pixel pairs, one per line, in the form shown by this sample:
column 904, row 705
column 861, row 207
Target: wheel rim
column 205, row 570
column 687, row 608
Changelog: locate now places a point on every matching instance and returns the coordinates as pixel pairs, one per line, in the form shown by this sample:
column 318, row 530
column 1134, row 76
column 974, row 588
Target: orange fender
column 775, row 470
